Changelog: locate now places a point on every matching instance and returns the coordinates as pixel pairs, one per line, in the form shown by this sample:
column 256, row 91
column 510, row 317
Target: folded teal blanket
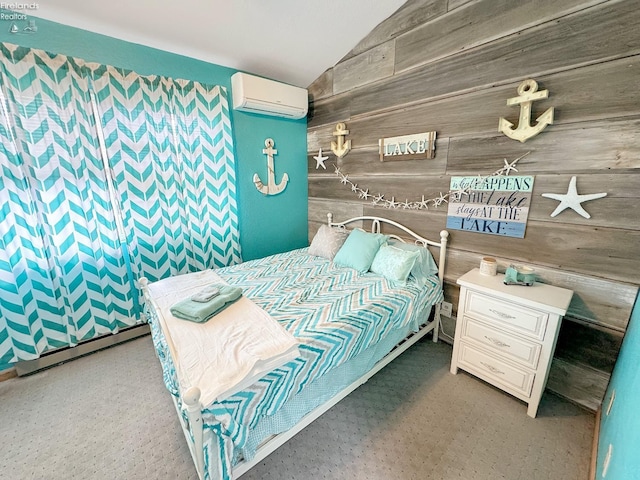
column 199, row 312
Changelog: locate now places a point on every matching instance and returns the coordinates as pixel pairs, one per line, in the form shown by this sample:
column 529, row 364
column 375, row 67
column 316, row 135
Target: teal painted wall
column 621, row 428
column 268, row 224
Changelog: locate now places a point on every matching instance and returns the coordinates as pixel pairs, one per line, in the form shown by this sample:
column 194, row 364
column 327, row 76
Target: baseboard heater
column 56, row 357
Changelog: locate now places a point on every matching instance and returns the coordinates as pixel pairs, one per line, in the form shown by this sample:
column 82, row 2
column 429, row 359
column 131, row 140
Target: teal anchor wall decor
column 528, row 93
column 271, row 188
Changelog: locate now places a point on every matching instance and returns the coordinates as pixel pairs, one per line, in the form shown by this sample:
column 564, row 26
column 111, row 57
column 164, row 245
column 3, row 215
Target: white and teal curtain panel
column 106, row 176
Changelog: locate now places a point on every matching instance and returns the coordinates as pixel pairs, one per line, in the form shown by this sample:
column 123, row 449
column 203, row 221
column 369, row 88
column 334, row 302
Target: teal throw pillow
column 425, row 265
column 394, row 263
column 359, row 250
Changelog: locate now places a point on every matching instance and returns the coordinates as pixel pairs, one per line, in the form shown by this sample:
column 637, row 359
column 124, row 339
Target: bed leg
column 436, row 328
column 191, row 399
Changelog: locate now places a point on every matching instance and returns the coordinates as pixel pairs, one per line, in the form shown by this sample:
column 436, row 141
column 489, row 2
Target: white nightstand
column 506, row 334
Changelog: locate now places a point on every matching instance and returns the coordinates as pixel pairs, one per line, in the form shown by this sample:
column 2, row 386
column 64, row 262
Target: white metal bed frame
column 191, row 398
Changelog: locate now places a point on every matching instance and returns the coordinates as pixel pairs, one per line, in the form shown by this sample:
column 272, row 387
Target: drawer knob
column 497, row 342
column 501, row 314
column 492, row 368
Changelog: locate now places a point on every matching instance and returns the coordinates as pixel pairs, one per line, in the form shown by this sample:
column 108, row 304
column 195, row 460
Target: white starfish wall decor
column 572, row 200
column 320, row 159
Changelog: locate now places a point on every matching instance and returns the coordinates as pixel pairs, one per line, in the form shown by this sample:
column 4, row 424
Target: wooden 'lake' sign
column 408, row 147
column 497, row 205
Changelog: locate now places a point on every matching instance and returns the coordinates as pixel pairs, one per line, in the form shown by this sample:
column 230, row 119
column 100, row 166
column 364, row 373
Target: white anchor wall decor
column 271, row 188
column 340, row 148
column 528, row 93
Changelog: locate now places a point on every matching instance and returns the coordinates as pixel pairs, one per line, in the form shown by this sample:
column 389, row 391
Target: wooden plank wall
column 449, row 66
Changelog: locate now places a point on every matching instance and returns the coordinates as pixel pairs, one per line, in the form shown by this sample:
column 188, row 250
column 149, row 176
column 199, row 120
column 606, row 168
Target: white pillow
column 327, row 241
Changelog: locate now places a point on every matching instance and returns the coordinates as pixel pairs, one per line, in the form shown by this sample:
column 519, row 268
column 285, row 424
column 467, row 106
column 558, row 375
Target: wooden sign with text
column 408, row 147
column 497, row 205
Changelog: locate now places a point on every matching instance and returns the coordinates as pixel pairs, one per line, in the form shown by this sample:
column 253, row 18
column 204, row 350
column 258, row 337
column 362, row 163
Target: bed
column 347, row 325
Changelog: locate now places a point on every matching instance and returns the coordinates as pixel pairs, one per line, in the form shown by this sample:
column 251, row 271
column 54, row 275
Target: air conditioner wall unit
column 268, row 97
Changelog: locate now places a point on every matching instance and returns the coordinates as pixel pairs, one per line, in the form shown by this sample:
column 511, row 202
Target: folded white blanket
column 227, row 353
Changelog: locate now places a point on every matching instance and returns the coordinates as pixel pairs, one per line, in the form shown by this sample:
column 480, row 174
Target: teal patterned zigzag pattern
column 84, row 290
column 67, row 178
column 65, row 276
column 334, row 312
column 138, row 137
column 207, row 160
column 21, row 269
column 165, row 174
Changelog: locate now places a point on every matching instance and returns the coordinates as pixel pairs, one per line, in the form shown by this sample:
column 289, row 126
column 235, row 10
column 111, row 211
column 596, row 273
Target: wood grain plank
column 591, row 36
column 582, row 344
column 576, row 148
column 476, row 24
column 337, row 110
column 453, row 4
column 322, row 86
column 400, row 187
column 580, row 384
column 412, row 14
column 572, row 93
column 374, row 64
column 319, row 208
column 606, row 252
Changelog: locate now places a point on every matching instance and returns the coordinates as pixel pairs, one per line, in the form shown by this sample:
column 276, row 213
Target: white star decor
column 320, row 159
column 424, row 204
column 364, row 194
column 509, row 166
column 572, row 199
column 441, row 199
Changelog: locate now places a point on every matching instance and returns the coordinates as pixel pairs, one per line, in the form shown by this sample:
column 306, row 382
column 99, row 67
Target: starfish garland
column 378, row 199
column 457, row 194
column 508, row 167
column 454, row 195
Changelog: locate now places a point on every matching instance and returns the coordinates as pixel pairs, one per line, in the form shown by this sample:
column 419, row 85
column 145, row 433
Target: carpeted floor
column 108, row 416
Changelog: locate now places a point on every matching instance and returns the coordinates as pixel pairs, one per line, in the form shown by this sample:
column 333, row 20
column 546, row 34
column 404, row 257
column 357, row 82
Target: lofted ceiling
column 293, row 41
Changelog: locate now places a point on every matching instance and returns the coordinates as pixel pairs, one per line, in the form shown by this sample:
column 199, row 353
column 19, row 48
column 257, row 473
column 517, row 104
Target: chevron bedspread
column 334, row 312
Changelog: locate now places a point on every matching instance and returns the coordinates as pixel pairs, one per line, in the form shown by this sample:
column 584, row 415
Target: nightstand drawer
column 495, row 371
column 518, row 350
column 517, row 318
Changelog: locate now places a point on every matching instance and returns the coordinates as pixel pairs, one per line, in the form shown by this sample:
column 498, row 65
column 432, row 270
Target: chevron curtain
column 169, row 145
column 105, row 176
